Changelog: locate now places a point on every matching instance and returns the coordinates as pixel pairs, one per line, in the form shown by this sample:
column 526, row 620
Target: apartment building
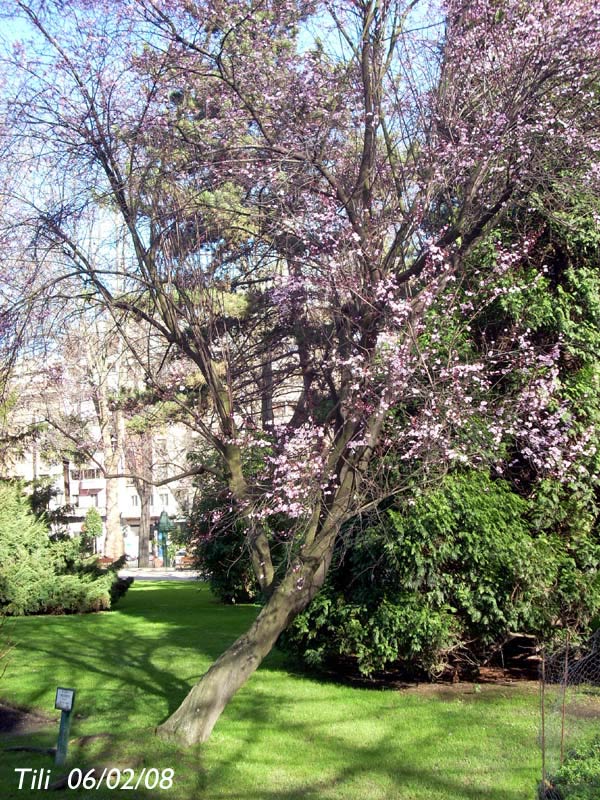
column 67, row 395
column 77, row 487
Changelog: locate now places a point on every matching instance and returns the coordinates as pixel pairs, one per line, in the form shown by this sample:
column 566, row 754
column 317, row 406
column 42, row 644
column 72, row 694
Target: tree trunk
column 66, row 481
column 138, row 455
column 195, row 718
column 145, row 492
column 114, row 545
column 266, row 394
column 113, row 432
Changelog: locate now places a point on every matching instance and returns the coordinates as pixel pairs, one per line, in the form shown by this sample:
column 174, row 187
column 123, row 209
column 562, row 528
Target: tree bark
column 193, row 721
column 145, row 492
column 195, row 718
column 114, row 545
column 138, row 455
column 112, row 432
column 66, row 481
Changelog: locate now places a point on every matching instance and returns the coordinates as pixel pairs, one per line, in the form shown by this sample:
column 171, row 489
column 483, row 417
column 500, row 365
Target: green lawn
column 284, row 737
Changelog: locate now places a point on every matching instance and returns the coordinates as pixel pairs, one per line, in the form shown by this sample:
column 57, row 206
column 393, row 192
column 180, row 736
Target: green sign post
column 64, row 701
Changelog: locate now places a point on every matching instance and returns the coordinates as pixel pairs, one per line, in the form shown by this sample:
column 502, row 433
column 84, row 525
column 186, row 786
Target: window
column 135, row 500
column 164, row 499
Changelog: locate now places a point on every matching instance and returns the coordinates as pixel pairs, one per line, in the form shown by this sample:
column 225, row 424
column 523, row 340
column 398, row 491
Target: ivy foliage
column 41, row 575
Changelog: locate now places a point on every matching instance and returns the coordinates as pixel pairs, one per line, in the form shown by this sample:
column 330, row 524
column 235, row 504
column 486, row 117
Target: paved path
column 159, row 574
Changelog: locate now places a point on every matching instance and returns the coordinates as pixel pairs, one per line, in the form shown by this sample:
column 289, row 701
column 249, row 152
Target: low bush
column 41, row 575
column 64, row 594
column 579, row 776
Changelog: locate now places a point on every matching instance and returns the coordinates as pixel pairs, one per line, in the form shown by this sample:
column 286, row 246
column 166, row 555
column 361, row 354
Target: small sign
column 64, row 699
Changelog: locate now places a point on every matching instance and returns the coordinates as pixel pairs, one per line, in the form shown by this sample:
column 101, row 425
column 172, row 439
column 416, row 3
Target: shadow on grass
column 132, row 649
column 381, row 759
column 140, row 660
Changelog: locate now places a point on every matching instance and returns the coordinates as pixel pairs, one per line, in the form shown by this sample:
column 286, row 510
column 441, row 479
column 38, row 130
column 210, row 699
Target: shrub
column 41, row 575
column 75, row 594
column 579, row 776
column 446, row 578
column 219, row 551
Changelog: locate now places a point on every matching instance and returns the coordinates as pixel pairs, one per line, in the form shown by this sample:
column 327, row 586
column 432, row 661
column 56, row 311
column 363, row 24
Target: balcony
column 91, row 485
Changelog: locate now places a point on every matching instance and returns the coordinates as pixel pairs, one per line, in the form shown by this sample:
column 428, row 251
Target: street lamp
column 164, row 526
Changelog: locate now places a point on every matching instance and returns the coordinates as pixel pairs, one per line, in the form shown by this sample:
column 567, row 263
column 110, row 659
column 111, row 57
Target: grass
column 284, row 736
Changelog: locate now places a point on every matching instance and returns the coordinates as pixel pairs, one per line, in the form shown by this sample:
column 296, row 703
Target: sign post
column 64, row 702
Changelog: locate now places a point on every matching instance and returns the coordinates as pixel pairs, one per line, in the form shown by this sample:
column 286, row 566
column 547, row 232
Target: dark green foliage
column 119, row 587
column 445, row 579
column 578, row 778
column 224, row 559
column 566, row 521
column 41, row 492
column 220, row 553
column 41, row 575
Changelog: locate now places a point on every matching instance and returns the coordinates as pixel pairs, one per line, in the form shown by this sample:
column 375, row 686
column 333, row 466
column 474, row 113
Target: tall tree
column 304, row 186
column 138, row 455
column 103, row 367
column 72, row 390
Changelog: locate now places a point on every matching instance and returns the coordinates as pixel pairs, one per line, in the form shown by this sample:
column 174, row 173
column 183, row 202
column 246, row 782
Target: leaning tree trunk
column 195, row 718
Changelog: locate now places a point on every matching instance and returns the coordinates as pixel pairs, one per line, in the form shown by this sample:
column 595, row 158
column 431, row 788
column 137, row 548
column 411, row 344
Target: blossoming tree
column 310, row 192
